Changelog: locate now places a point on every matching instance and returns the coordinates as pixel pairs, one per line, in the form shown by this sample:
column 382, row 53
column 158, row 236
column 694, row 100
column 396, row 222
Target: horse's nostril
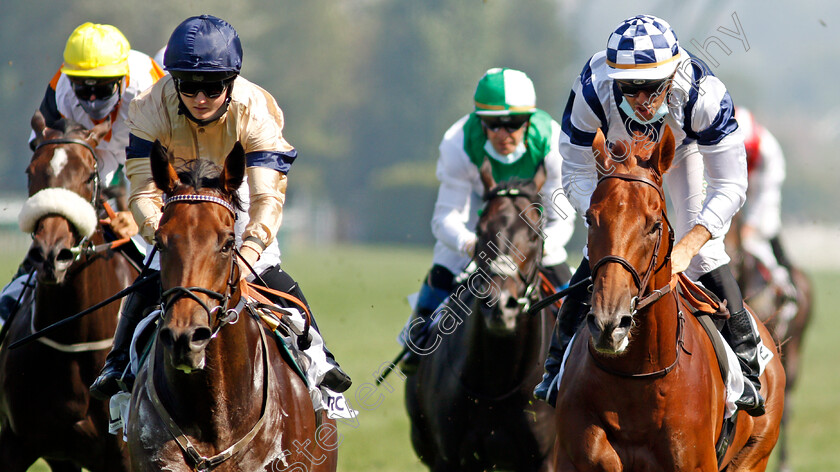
column 36, row 255
column 200, row 337
column 626, row 322
column 64, row 255
column 167, row 338
column 511, row 302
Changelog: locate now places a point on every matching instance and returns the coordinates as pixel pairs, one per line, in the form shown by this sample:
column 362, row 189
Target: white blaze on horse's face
column 503, row 266
column 58, row 161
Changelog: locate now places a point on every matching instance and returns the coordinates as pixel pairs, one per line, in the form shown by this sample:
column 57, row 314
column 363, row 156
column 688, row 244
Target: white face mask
column 505, row 159
column 660, row 112
column 99, row 108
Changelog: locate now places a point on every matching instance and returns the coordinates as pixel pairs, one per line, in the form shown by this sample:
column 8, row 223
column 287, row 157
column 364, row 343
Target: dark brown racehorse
column 215, row 392
column 471, row 403
column 642, row 390
column 768, row 302
column 45, row 406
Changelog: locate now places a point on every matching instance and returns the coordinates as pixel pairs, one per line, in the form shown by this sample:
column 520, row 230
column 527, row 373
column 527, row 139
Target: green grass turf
column 358, row 296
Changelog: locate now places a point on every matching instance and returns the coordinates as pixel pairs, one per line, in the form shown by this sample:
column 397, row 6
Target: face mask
column 660, row 113
column 99, row 108
column 506, row 159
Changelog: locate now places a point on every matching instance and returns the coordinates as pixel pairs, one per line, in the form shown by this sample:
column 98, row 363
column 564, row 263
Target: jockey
column 200, row 110
column 762, row 210
column 643, row 81
column 516, row 137
column 100, row 76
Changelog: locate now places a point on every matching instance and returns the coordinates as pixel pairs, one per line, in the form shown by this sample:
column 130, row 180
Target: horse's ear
column 486, row 173
column 602, row 155
column 539, row 176
column 98, row 132
column 234, row 170
column 39, row 125
column 663, row 153
column 163, row 173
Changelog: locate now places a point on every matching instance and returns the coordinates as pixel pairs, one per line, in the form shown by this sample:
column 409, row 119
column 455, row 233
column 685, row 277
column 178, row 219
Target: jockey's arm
column 452, row 207
column 146, row 200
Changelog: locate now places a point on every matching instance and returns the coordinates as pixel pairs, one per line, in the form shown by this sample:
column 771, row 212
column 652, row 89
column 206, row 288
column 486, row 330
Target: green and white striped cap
column 503, row 91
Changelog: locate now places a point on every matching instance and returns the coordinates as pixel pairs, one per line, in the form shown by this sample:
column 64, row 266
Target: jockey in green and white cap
column 508, row 130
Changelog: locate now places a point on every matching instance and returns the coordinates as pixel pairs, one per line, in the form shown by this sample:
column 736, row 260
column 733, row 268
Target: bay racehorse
column 45, row 405
column 215, row 393
column 641, row 389
column 769, row 303
column 470, row 402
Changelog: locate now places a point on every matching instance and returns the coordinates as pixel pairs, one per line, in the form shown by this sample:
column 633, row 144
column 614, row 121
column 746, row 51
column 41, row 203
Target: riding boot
column 738, row 331
column 569, row 318
column 436, row 287
column 335, row 379
column 114, row 376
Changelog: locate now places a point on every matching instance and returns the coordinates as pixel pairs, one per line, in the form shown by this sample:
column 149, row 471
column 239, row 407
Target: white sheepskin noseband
column 78, row 211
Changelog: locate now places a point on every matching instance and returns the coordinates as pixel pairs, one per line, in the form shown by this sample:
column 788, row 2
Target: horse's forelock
column 202, row 174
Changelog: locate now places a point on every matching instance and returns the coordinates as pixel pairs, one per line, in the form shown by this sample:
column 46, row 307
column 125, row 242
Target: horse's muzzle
column 185, row 347
column 611, row 336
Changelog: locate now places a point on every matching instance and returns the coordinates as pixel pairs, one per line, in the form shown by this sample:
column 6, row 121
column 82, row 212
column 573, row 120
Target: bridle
column 221, row 314
column 532, row 279
column 229, row 316
column 84, row 246
column 642, row 300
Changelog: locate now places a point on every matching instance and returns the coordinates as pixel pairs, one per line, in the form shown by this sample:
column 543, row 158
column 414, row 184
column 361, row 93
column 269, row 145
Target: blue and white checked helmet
column 643, row 48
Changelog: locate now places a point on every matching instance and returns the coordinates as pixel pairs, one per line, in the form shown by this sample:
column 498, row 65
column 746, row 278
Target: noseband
column 172, row 295
column 641, row 300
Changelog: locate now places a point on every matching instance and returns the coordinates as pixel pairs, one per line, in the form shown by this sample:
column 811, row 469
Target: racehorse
column 764, row 297
column 641, row 388
column 45, row 404
column 215, row 392
column 470, row 402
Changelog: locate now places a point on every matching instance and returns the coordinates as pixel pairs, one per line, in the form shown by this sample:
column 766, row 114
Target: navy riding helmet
column 203, row 48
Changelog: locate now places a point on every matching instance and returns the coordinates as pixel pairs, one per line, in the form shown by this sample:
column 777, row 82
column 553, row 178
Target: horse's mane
column 203, row 174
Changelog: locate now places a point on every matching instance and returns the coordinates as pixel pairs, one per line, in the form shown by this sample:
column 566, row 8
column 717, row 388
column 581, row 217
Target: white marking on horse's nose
column 59, row 160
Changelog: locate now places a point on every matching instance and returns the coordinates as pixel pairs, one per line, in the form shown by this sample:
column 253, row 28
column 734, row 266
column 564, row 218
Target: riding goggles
column 509, row 123
column 632, row 88
column 210, row 89
column 87, row 88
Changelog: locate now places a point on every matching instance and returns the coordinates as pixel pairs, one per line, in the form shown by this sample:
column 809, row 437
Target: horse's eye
column 228, row 246
column 656, row 227
column 92, row 177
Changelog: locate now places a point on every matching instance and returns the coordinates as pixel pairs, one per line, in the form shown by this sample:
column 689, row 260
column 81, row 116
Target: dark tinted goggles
column 509, row 123
column 85, row 89
column 631, row 88
column 210, row 89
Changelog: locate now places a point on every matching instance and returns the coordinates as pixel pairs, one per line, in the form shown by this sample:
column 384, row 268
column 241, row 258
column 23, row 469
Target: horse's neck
column 80, row 290
column 491, row 357
column 223, row 399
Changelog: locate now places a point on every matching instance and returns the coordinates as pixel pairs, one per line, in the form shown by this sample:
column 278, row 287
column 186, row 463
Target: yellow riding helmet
column 95, row 50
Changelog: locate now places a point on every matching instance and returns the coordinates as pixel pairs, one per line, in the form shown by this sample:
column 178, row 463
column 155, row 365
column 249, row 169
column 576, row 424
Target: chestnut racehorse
column 642, row 390
column 470, row 403
column 215, row 393
column 45, row 405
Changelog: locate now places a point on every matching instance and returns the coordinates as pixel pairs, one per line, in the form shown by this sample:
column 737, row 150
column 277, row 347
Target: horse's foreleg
column 15, row 455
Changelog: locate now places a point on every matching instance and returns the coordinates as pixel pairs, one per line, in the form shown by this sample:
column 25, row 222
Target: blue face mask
column 99, row 108
column 509, row 158
column 660, row 113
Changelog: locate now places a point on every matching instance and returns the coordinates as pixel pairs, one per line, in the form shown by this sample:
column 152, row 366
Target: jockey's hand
column 748, row 232
column 469, row 247
column 249, row 254
column 122, row 224
column 688, row 247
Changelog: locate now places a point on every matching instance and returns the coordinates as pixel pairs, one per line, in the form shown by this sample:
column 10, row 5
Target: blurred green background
column 358, row 294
